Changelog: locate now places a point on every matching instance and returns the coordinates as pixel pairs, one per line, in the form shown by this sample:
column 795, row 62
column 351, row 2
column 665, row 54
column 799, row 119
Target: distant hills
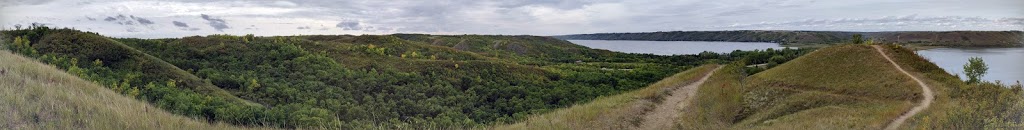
column 946, row 38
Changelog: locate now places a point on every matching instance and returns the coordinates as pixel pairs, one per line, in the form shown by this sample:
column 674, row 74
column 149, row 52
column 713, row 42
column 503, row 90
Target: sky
column 179, row 18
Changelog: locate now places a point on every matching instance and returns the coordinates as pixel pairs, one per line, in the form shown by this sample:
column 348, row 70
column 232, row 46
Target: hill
column 355, row 82
column 947, row 38
column 848, row 87
column 40, row 96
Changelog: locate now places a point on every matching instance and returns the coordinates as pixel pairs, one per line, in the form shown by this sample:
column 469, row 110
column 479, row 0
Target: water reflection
column 673, row 47
column 1005, row 64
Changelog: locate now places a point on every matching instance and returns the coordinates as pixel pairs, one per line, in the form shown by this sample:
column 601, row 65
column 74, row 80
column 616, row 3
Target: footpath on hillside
column 927, row 91
column 665, row 114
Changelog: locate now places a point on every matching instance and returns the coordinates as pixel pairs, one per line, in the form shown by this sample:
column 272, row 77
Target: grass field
column 38, row 96
column 621, row 111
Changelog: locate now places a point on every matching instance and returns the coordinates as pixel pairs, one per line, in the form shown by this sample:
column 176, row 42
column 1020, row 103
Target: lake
column 1005, row 64
column 673, row 47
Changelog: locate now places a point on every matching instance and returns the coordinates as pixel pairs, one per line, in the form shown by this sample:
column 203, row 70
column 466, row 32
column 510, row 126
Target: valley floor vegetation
column 359, row 82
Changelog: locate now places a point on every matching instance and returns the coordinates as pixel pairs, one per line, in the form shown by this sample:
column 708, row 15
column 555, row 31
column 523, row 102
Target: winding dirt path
column 664, row 115
column 928, row 95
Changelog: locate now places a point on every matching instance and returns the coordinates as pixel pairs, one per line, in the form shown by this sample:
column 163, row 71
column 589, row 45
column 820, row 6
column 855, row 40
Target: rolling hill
column 850, row 87
column 40, row 96
column 355, row 82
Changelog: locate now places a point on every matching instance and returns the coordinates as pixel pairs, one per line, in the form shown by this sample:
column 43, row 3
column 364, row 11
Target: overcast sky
column 177, row 18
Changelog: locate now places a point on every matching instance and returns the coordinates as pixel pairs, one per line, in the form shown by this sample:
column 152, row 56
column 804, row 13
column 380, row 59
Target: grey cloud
column 890, row 21
column 303, row 27
column 127, row 20
column 143, row 21
column 216, row 23
column 349, row 25
column 179, row 24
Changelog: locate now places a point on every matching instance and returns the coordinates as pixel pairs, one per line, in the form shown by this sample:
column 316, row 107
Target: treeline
column 948, row 38
column 358, row 82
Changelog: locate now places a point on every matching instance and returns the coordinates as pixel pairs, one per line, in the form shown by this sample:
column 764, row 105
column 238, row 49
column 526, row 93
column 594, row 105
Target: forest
column 359, row 82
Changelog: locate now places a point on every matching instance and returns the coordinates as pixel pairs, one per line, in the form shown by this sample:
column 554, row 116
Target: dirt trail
column 664, row 115
column 928, row 96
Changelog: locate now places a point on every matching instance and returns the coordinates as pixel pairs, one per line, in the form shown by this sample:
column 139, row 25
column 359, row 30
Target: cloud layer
column 178, row 18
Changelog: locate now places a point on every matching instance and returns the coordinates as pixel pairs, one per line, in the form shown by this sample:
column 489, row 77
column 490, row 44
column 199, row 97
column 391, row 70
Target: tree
column 252, row 85
column 858, row 39
column 975, row 69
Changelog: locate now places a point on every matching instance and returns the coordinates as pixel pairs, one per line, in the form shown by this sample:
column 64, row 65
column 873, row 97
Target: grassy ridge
column 845, row 69
column 614, row 112
column 959, row 105
column 842, row 87
column 851, row 87
column 34, row 95
column 852, row 84
column 118, row 56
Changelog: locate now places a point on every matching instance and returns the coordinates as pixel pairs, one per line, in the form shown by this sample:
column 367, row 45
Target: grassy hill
column 848, row 87
column 853, row 84
column 34, row 95
column 355, row 82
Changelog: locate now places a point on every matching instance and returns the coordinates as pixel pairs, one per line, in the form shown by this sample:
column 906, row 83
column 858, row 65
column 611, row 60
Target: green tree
column 253, row 85
column 975, row 69
column 858, row 39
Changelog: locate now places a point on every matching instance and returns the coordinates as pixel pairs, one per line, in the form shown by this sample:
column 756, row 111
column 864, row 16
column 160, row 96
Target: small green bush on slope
column 34, row 95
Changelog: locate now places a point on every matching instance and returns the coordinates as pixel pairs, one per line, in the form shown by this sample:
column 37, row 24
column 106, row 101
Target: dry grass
column 840, row 87
column 39, row 96
column 716, row 101
column 623, row 111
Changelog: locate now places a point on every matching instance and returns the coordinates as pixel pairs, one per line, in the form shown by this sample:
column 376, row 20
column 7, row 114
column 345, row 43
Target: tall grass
column 717, row 100
column 623, row 111
column 39, row 96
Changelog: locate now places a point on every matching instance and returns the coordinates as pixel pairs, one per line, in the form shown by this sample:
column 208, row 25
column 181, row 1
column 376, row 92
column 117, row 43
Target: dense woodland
column 950, row 38
column 369, row 81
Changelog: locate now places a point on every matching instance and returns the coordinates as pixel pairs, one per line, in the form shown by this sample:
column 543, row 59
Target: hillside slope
column 842, row 87
column 622, row 111
column 34, row 95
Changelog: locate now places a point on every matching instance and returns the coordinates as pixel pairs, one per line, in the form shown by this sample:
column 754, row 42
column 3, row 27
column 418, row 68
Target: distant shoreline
column 803, row 38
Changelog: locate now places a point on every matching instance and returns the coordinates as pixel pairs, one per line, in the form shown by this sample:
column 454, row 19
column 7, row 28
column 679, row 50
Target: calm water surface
column 673, row 47
column 1005, row 64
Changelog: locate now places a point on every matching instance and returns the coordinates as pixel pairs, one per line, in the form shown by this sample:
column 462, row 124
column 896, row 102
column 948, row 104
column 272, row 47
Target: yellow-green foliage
column 717, row 100
column 613, row 112
column 38, row 96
